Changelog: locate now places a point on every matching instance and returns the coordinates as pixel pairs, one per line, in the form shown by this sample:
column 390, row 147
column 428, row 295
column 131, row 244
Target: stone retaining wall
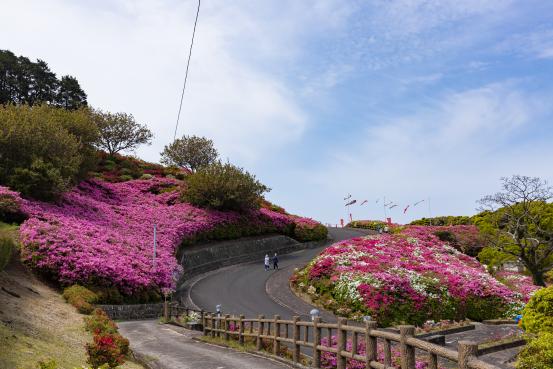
column 133, row 312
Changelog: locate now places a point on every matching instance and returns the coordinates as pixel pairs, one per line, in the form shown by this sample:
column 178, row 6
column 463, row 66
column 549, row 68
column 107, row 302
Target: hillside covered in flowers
column 101, row 233
column 411, row 276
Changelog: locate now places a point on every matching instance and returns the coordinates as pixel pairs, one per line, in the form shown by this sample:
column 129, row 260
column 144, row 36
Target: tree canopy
column 120, row 132
column 43, row 149
column 23, row 81
column 190, row 152
column 519, row 221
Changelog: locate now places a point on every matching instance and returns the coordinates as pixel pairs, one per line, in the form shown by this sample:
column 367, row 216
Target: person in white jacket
column 267, row 262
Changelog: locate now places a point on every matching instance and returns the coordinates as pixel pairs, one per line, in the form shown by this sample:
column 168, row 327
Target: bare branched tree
column 520, row 222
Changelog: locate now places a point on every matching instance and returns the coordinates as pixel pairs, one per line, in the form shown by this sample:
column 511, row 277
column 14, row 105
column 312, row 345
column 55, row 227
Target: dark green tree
column 70, row 95
column 23, row 81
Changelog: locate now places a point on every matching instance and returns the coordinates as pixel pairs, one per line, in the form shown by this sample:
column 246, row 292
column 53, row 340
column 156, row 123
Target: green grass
column 8, row 243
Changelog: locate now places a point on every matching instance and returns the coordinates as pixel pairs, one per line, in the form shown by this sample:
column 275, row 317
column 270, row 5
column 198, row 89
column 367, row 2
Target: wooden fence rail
column 310, row 335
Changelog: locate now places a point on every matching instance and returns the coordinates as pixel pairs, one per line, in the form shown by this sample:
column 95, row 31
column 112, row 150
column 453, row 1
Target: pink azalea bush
column 101, row 233
column 520, row 283
column 407, row 277
column 10, row 204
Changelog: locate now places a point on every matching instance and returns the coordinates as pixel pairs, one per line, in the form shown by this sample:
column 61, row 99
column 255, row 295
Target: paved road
column 169, row 347
column 240, row 289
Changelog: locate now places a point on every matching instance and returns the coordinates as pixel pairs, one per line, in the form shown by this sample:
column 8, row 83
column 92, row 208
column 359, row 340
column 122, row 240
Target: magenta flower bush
column 407, row 277
column 520, row 283
column 101, row 233
column 328, row 359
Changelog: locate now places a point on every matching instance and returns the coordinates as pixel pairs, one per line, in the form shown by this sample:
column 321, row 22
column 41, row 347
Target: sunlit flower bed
column 101, row 233
column 408, row 277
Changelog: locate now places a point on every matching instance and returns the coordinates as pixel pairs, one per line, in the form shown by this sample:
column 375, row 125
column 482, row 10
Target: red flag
column 405, row 210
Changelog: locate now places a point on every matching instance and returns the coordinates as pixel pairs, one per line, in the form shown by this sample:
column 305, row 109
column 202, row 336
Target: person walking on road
column 267, row 262
column 275, row 262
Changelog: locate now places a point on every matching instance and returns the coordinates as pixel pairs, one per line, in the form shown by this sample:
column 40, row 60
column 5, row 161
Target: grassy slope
column 38, row 325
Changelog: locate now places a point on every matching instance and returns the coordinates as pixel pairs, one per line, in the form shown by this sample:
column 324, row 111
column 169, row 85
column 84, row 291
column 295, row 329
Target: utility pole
column 155, row 245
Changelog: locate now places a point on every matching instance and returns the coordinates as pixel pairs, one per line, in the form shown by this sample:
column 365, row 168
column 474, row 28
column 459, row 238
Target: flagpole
column 429, row 212
column 384, row 204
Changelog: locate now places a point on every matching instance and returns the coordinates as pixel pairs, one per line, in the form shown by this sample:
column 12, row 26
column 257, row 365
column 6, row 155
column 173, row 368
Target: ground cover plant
column 100, row 234
column 408, row 277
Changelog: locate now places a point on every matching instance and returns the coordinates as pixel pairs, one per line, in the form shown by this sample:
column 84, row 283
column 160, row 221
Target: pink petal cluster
column 102, row 232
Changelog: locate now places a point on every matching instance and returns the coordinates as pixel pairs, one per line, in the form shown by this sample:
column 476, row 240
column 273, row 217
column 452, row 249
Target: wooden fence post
column 370, row 343
column 258, row 342
column 213, row 325
column 467, row 350
column 204, row 324
column 316, row 342
column 407, row 352
column 226, row 327
column 296, row 338
column 341, row 346
column 166, row 311
column 241, row 330
column 276, row 335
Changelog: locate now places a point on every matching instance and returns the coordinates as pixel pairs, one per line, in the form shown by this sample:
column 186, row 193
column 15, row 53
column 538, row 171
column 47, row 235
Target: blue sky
column 405, row 99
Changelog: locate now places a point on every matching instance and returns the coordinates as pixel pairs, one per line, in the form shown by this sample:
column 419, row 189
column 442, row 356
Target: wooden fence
column 308, row 335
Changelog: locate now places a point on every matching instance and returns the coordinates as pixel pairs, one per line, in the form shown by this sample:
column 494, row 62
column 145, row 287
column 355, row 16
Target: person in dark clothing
column 275, row 261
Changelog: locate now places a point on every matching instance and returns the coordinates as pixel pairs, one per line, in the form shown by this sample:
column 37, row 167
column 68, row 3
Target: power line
column 186, row 73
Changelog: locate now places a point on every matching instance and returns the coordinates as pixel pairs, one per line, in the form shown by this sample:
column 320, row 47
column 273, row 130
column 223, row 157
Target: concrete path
column 169, row 347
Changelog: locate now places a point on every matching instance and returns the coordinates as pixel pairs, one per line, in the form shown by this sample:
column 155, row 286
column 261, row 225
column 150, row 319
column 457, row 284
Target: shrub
column 105, row 350
column 538, row 353
column 307, row 230
column 81, row 298
column 443, row 221
column 44, row 149
column 10, row 206
column 99, row 322
column 224, row 187
column 50, row 364
column 538, row 314
column 146, row 176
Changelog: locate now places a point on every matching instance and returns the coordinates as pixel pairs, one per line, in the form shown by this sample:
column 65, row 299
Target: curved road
column 240, row 289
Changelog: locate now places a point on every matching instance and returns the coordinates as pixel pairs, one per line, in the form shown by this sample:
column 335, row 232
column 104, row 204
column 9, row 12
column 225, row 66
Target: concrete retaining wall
column 200, row 259
column 133, row 312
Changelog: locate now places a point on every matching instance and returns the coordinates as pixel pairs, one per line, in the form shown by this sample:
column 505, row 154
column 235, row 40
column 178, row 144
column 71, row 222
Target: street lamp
column 367, row 318
column 314, row 314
